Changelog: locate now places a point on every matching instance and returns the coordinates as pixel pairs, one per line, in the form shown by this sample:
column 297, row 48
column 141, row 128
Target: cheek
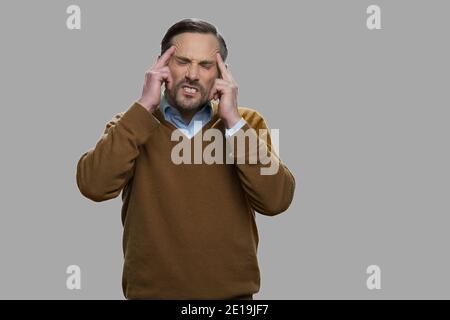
column 177, row 73
column 209, row 79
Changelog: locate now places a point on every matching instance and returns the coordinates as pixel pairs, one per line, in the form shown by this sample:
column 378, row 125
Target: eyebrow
column 189, row 60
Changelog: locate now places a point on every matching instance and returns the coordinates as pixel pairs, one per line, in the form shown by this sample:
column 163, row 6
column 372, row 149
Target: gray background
column 363, row 118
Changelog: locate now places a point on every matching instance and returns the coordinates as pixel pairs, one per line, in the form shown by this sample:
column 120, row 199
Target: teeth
column 190, row 90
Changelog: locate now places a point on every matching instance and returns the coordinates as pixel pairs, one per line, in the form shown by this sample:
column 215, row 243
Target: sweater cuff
column 139, row 122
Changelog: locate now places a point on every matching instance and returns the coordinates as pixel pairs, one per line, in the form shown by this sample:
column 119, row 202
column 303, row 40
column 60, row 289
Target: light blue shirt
column 198, row 121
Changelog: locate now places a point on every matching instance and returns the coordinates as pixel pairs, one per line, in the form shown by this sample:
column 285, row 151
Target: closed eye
column 204, row 64
column 182, row 61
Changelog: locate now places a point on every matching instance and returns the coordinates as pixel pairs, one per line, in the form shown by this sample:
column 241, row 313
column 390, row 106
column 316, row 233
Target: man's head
column 194, row 62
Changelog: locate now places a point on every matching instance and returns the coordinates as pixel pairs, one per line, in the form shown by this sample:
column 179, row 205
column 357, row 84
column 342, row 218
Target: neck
column 187, row 115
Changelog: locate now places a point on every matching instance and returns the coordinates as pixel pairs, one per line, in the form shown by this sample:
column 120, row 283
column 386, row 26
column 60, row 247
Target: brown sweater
column 189, row 229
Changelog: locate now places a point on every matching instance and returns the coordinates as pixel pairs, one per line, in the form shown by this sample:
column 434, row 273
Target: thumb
column 168, row 81
column 213, row 92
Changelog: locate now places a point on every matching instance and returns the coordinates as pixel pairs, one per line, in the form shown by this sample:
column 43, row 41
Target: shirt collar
column 166, row 108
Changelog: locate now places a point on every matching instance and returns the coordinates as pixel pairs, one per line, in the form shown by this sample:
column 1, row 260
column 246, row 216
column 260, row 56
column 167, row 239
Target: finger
column 214, row 92
column 166, row 77
column 164, row 59
column 164, row 69
column 221, row 82
column 222, row 68
column 220, row 86
column 169, row 81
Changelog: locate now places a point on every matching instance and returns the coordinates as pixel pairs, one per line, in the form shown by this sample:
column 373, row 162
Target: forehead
column 196, row 45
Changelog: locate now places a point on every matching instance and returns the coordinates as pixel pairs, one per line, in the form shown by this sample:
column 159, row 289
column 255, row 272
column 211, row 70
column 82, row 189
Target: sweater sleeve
column 103, row 171
column 267, row 182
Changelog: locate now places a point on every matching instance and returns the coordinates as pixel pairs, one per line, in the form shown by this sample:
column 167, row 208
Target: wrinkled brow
column 189, row 60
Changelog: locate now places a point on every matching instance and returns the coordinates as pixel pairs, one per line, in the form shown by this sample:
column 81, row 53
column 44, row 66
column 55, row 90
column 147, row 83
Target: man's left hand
column 226, row 89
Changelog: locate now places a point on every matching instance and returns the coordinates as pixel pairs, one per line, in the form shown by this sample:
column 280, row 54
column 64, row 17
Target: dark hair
column 195, row 26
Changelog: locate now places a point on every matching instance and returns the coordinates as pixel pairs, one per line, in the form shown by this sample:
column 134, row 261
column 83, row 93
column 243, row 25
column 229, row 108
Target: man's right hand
column 158, row 74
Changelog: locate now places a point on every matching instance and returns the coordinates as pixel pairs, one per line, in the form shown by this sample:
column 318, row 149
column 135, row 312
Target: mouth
column 190, row 91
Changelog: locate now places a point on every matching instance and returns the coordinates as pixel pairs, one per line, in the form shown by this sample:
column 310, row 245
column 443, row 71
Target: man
column 189, row 229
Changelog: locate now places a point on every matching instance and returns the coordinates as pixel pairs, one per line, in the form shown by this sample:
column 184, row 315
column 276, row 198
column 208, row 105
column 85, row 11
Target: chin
column 188, row 104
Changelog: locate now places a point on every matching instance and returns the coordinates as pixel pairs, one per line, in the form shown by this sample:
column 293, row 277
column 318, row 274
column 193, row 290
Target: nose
column 192, row 73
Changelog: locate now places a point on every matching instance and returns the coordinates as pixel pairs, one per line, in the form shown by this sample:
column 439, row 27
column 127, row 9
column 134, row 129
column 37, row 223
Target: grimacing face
column 193, row 67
